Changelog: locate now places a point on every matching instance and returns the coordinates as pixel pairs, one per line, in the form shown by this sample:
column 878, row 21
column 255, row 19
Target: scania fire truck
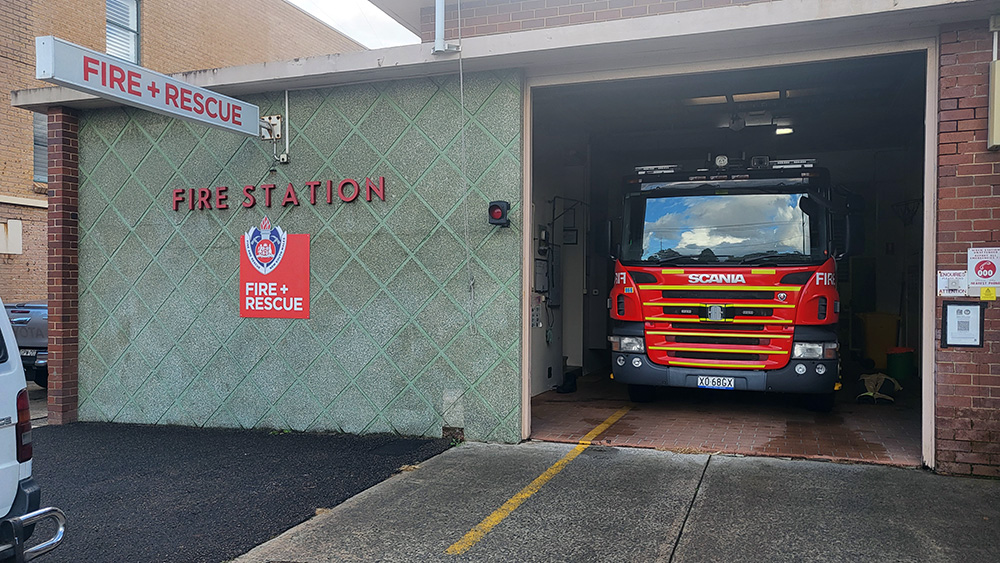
column 726, row 279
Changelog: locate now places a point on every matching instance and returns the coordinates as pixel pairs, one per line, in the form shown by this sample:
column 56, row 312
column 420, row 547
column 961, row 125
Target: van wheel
column 641, row 393
column 42, row 378
column 822, row 402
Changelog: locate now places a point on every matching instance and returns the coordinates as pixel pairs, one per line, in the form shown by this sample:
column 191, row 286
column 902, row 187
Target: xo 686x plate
column 714, row 382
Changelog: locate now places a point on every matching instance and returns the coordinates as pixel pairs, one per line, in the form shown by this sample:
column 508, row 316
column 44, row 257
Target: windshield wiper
column 672, row 259
column 755, row 258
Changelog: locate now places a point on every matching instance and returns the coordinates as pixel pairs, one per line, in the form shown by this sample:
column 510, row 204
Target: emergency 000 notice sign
column 274, row 273
column 984, row 267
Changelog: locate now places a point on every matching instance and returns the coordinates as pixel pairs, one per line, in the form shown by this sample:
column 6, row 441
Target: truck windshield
column 773, row 228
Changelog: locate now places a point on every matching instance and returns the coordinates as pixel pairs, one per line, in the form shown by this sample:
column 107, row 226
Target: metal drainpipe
column 438, row 26
column 439, row 45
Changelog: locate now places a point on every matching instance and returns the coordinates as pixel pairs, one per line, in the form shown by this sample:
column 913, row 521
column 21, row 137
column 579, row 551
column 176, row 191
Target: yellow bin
column 880, row 335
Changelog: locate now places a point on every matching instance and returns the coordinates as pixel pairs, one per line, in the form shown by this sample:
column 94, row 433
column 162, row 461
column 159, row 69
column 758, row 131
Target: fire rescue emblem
column 265, row 246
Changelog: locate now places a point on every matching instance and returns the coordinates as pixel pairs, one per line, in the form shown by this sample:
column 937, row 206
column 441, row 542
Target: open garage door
column 860, row 119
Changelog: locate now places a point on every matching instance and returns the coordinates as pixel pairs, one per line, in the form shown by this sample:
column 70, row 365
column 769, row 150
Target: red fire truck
column 726, row 279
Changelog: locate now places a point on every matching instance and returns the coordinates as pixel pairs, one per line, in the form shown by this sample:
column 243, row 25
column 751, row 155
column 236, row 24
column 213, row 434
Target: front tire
column 641, row 393
column 42, row 378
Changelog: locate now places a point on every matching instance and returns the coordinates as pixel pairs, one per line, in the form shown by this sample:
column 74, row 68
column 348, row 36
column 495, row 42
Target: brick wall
column 176, row 35
column 967, row 380
column 63, row 264
column 487, row 17
column 24, row 275
column 253, row 31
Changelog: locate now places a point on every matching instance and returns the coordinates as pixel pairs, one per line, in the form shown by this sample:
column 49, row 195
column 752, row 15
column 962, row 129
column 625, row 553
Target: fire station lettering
column 268, row 195
column 66, row 64
column 267, row 297
column 274, row 273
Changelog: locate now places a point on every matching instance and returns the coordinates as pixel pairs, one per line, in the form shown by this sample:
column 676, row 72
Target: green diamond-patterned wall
column 396, row 341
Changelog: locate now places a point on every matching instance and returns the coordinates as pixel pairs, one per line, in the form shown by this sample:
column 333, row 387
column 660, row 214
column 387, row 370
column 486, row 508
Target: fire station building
column 400, row 307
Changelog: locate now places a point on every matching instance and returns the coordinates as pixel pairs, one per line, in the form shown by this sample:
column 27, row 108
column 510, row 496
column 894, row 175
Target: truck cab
column 726, row 279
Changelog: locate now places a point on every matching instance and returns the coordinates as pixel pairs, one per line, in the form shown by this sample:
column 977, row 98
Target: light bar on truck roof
column 657, row 169
column 793, row 163
column 733, row 183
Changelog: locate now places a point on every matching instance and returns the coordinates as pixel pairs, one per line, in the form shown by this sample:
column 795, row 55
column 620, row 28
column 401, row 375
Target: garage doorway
column 862, row 119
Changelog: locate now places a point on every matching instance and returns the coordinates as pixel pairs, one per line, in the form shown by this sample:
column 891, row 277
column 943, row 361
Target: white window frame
column 123, row 27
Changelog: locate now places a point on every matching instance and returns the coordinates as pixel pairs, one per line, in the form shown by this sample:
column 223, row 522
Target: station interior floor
column 742, row 423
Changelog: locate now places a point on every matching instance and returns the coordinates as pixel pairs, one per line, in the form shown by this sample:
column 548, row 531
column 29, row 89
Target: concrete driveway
column 620, row 504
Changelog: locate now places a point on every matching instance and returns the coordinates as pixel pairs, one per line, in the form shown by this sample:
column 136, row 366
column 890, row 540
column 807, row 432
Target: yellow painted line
column 733, row 334
column 762, row 271
column 726, row 287
column 710, row 365
column 731, row 305
column 481, row 529
column 672, row 271
column 761, row 321
column 727, row 350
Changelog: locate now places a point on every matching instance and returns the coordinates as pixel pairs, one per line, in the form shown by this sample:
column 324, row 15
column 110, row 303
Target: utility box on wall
column 11, row 237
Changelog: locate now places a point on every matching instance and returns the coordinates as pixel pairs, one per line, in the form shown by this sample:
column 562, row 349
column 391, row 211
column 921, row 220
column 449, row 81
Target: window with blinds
column 123, row 29
column 41, row 138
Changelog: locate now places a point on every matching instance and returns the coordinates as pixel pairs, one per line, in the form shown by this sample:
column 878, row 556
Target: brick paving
column 693, row 420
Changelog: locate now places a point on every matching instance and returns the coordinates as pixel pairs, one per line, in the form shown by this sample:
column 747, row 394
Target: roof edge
column 521, row 49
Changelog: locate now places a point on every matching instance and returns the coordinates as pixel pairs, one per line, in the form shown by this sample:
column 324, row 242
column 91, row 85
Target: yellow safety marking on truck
column 672, row 271
column 732, row 350
column 732, row 305
column 713, row 365
column 481, row 529
column 700, row 287
column 731, row 334
column 762, row 271
column 693, row 319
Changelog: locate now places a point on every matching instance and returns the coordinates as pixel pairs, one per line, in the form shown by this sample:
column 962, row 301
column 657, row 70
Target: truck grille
column 734, row 295
column 687, row 339
column 717, row 356
column 719, row 328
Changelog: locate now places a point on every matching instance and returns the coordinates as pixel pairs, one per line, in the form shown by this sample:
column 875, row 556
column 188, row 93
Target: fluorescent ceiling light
column 784, row 131
column 756, row 96
column 705, row 101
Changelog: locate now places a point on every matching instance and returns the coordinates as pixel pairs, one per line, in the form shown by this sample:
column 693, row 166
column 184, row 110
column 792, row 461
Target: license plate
column 29, row 352
column 711, row 382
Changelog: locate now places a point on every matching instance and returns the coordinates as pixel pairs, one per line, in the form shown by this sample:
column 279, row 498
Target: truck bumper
column 19, row 524
column 783, row 380
column 37, row 359
column 27, row 499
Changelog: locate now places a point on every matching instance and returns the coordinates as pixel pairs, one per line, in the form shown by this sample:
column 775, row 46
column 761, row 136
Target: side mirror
column 855, row 235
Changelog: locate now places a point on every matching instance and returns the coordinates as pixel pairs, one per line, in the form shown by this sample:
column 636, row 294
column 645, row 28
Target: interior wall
column 547, row 322
column 573, row 238
column 561, row 193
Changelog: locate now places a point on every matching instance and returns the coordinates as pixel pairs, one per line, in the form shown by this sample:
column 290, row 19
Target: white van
column 19, row 494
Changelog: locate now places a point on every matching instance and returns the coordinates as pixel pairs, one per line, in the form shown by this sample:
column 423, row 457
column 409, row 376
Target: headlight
column 814, row 350
column 634, row 344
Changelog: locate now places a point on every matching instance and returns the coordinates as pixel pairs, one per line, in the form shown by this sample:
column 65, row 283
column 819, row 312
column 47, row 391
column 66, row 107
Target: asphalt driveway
column 166, row 493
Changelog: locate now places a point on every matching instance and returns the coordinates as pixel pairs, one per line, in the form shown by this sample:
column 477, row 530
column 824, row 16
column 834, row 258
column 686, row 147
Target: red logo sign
column 986, row 269
column 274, row 273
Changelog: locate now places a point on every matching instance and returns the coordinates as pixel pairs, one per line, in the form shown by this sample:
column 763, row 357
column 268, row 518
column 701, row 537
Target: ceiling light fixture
column 783, row 131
